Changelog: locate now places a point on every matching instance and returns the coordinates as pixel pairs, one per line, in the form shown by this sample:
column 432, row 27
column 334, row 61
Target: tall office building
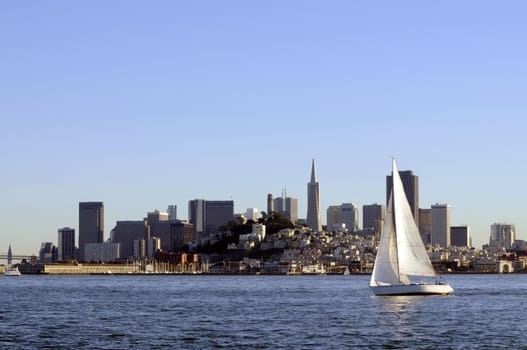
column 440, row 220
column 460, row 236
column 411, row 190
column 287, row 206
column 252, row 214
column 313, row 202
column 91, row 225
column 125, row 232
column 345, row 214
column 270, row 204
column 373, row 217
column 208, row 216
column 172, row 212
column 217, row 214
column 425, row 225
column 196, row 216
column 66, row 248
column 502, row 235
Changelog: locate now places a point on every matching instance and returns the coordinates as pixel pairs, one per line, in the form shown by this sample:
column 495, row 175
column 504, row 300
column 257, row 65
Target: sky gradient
column 141, row 105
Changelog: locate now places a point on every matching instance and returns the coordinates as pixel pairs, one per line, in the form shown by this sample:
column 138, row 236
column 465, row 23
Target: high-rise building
column 373, row 217
column 460, row 236
column 156, row 216
column 502, row 235
column 346, row 214
column 287, row 206
column 291, row 209
column 47, row 253
column 125, row 232
column 217, row 214
column 411, row 190
column 172, row 212
column 252, row 214
column 425, row 225
column 332, row 217
column 270, row 204
column 440, row 219
column 208, row 216
column 91, row 225
column 66, row 248
column 313, row 202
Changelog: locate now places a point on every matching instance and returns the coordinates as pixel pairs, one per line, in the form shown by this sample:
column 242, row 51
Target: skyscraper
column 313, row 202
column 172, row 212
column 460, row 236
column 502, row 235
column 91, row 225
column 66, row 248
column 425, row 225
column 346, row 213
column 208, row 216
column 440, row 232
column 287, row 206
column 373, row 216
column 196, row 216
column 270, row 204
column 411, row 190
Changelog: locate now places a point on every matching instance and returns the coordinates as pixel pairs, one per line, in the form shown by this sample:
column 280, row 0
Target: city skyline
column 191, row 100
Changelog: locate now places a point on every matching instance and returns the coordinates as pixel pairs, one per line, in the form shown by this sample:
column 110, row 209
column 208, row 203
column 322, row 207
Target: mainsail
column 401, row 251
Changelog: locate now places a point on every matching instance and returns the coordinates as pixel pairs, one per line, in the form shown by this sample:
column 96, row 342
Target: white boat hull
column 12, row 272
column 413, row 289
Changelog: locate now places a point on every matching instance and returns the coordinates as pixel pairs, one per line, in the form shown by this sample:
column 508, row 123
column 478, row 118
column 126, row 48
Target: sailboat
column 10, row 270
column 402, row 265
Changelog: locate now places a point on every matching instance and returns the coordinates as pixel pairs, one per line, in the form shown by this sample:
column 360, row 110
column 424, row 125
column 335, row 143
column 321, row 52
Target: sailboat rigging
column 401, row 256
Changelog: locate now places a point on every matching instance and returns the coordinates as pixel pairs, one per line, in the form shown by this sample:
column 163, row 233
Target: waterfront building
column 48, row 253
column 173, row 235
column 66, row 244
column 440, row 220
column 91, row 225
column 373, row 216
column 502, row 235
column 102, row 252
column 411, row 190
column 139, row 248
column 172, row 212
column 125, row 232
column 460, row 236
column 313, row 202
column 425, row 225
column 153, row 245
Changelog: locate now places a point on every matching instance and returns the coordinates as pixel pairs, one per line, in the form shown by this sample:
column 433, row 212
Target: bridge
column 3, row 256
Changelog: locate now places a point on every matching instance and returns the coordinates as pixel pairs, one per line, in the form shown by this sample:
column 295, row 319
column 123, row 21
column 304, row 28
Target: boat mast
column 394, row 170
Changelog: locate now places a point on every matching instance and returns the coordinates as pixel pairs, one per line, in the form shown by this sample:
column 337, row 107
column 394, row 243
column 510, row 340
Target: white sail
column 412, row 256
column 385, row 270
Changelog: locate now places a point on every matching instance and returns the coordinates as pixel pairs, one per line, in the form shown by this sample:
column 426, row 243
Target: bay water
column 257, row 312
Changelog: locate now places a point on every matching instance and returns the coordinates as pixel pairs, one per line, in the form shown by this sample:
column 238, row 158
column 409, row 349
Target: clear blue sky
column 146, row 104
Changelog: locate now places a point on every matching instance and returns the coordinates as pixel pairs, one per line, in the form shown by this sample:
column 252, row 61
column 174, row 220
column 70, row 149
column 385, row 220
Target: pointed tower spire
column 313, row 202
column 9, row 256
column 313, row 172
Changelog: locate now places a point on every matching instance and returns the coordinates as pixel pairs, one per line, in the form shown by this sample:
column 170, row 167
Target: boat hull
column 413, row 289
column 12, row 272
